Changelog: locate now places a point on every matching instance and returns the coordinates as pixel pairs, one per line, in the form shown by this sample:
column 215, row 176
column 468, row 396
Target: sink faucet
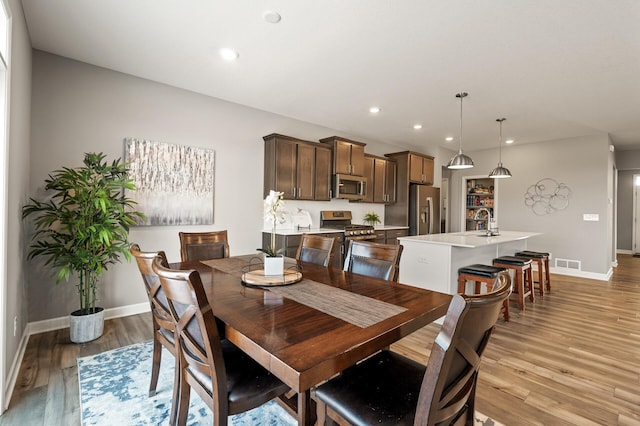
column 477, row 215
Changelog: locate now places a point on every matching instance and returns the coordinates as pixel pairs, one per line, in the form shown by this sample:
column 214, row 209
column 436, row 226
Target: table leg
column 306, row 415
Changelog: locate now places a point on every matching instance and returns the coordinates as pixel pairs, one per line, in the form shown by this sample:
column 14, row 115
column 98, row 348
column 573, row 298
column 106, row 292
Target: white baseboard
column 12, row 377
column 63, row 322
column 624, row 251
column 582, row 274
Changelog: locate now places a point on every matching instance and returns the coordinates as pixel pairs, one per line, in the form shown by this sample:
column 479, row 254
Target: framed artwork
column 174, row 183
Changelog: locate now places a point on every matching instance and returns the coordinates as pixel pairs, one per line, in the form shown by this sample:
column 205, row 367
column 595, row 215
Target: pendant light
column 500, row 172
column 461, row 161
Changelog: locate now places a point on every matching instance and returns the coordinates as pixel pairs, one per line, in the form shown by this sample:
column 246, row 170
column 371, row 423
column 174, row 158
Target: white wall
column 583, row 165
column 18, row 170
column 79, row 108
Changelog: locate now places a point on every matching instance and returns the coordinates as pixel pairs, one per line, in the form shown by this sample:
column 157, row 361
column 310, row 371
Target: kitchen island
column 432, row 261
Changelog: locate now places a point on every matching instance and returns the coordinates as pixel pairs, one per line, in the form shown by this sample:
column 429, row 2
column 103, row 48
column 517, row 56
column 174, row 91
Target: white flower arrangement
column 274, row 213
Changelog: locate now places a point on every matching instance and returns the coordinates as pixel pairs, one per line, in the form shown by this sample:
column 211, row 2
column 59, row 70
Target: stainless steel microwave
column 349, row 187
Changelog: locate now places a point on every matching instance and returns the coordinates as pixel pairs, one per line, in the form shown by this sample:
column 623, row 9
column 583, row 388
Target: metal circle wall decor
column 547, row 196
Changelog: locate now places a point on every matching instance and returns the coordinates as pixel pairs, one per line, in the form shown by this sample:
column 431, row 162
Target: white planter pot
column 273, row 265
column 85, row 328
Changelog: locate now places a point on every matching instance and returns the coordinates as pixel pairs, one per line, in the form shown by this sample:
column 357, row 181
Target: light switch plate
column 591, row 217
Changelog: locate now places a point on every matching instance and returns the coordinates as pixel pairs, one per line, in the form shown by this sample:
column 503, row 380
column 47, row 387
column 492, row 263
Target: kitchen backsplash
column 358, row 211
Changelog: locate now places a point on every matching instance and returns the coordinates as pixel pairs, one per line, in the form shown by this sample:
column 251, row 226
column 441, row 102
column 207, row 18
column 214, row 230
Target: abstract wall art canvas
column 174, row 183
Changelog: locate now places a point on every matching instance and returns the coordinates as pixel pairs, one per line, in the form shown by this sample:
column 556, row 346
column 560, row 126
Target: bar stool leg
column 529, row 277
column 546, row 273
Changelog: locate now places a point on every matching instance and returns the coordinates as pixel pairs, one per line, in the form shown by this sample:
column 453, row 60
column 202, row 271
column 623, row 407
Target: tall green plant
column 84, row 226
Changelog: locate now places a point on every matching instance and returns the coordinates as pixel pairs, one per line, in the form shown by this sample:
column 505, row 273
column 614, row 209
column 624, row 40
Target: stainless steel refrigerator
column 424, row 210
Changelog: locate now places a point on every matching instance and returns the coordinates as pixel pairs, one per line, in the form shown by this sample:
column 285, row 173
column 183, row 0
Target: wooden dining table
column 307, row 332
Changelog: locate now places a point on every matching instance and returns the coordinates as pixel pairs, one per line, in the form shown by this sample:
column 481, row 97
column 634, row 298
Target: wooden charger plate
column 258, row 278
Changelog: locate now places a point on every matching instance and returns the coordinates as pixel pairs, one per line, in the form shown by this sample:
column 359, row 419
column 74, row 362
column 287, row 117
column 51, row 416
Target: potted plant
column 83, row 228
column 274, row 213
column 371, row 218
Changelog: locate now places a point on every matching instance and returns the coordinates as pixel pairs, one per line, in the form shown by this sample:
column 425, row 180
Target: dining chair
column 373, row 259
column 315, row 249
column 391, row 389
column 163, row 329
column 227, row 380
column 203, row 245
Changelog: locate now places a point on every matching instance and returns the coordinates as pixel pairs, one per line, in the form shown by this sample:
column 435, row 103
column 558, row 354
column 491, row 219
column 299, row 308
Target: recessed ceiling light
column 417, row 126
column 229, row 54
column 509, row 141
column 271, row 17
column 374, row 109
column 448, row 139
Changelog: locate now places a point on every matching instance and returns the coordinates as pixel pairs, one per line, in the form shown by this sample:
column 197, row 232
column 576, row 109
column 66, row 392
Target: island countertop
column 470, row 239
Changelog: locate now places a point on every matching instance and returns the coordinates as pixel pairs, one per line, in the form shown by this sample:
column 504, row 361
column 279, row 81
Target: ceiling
column 554, row 68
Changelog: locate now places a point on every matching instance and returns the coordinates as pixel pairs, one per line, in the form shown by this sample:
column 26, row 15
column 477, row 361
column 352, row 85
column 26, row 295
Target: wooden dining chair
column 203, row 245
column 315, row 249
column 163, row 329
column 373, row 259
column 227, row 380
column 391, row 389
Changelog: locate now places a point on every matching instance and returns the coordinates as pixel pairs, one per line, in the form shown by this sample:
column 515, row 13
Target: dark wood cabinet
column 420, row 169
column 301, row 169
column 392, row 235
column 381, row 179
column 323, row 174
column 291, row 243
column 348, row 156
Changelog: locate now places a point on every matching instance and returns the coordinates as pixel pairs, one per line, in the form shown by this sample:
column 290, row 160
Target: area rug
column 114, row 390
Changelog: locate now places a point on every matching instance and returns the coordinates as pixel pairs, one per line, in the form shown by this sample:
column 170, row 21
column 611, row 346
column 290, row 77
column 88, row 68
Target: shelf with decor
column 480, row 193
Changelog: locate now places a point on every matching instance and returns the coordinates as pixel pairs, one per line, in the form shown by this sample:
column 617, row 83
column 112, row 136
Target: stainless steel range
column 341, row 219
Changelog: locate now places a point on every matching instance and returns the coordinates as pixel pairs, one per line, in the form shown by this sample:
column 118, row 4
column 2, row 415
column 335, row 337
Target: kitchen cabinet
column 348, row 156
column 389, row 236
column 381, row 179
column 292, row 241
column 300, row 169
column 397, row 212
column 420, row 169
column 392, row 235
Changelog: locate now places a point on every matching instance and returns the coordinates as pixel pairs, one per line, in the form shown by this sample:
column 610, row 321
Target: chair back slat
column 203, row 245
column 373, row 259
column 157, row 298
column 315, row 249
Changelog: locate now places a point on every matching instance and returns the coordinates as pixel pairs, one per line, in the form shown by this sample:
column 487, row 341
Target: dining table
column 308, row 331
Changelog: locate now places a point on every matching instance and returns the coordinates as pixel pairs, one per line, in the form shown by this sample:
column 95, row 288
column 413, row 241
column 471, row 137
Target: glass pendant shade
column 500, row 172
column 461, row 161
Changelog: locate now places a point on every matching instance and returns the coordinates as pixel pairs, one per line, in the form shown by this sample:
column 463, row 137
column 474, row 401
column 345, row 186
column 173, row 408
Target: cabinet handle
column 331, row 193
column 294, row 192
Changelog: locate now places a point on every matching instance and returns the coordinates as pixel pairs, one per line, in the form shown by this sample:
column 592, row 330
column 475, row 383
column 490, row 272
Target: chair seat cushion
column 383, row 389
column 534, row 254
column 481, row 270
column 513, row 260
column 247, row 381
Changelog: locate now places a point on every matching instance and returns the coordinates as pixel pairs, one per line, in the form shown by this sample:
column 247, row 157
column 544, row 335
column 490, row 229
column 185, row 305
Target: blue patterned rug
column 114, row 390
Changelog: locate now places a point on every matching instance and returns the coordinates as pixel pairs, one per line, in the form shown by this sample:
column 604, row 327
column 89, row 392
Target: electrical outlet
column 423, row 259
column 591, row 217
column 15, row 326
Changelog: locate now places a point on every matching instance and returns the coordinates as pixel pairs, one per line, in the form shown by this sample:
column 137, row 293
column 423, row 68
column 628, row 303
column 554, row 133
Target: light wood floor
column 572, row 358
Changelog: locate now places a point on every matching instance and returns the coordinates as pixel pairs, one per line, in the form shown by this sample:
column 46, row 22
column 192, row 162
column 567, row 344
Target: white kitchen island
column 432, row 261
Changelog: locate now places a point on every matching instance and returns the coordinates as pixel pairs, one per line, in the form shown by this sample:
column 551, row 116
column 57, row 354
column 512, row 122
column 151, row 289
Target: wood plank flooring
column 572, row 358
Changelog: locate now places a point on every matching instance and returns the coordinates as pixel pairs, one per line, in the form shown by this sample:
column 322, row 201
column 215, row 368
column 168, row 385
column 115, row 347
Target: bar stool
column 482, row 274
column 522, row 268
column 542, row 259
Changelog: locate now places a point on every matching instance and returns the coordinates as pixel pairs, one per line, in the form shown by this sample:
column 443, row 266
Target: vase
column 85, row 328
column 273, row 265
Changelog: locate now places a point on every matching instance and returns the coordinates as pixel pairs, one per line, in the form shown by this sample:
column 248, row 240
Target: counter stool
column 542, row 259
column 524, row 279
column 482, row 274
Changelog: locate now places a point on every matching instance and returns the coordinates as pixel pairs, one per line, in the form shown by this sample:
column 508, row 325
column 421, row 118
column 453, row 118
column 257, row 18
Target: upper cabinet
column 348, row 156
column 420, row 168
column 381, row 173
column 300, row 169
